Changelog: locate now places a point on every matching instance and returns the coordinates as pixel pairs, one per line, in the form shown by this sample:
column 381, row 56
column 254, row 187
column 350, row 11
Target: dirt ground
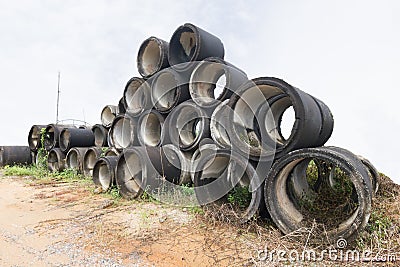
column 55, row 223
column 64, row 224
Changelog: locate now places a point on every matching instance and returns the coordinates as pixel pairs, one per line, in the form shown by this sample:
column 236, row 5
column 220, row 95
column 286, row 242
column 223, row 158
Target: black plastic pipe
column 14, row 155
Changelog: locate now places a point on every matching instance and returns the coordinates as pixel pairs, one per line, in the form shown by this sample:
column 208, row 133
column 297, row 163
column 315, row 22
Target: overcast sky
column 347, row 53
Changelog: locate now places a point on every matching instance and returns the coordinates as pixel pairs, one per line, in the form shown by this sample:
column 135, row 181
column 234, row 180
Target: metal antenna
column 58, row 96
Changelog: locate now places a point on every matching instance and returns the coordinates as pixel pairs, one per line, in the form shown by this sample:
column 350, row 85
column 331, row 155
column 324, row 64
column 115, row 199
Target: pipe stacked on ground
column 15, row 155
column 193, row 118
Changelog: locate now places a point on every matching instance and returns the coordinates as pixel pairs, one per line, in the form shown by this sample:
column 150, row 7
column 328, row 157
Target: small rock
column 163, row 219
column 98, row 190
column 106, row 203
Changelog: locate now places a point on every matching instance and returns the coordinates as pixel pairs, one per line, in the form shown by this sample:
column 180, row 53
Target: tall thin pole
column 58, row 95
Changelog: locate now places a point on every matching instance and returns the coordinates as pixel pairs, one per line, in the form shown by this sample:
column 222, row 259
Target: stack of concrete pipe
column 193, row 118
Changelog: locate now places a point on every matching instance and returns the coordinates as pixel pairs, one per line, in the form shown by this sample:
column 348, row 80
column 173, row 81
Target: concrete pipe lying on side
column 186, row 126
column 90, row 158
column 104, row 172
column 108, row 114
column 111, row 152
column 56, row 160
column 152, row 56
column 15, row 155
column 130, row 173
column 190, row 43
column 121, row 106
column 327, row 122
column 220, row 125
column 147, row 168
column 262, row 106
column 168, row 89
column 149, row 128
column 35, row 137
column 213, row 80
column 226, row 178
column 100, row 135
column 207, row 145
column 180, row 160
column 123, row 131
column 52, row 135
column 137, row 96
column 343, row 209
column 76, row 137
column 373, row 173
column 74, row 158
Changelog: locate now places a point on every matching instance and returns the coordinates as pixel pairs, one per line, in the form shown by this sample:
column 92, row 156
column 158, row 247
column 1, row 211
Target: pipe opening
column 150, row 58
column 190, row 132
column 208, row 83
column 136, row 96
column 34, row 137
column 151, row 130
column 129, row 173
column 226, row 186
column 104, row 174
column 165, row 91
column 251, row 110
column 65, row 139
column 184, row 44
column 53, row 161
column 122, row 132
column 90, row 161
column 286, row 123
column 73, row 160
column 49, row 138
column 190, row 124
column 218, row 125
column 108, row 115
column 99, row 136
column 306, row 196
column 110, row 152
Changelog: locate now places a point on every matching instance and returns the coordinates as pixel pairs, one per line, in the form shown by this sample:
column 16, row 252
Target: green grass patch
column 39, row 173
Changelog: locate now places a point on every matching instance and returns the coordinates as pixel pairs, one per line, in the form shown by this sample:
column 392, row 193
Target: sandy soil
column 64, row 224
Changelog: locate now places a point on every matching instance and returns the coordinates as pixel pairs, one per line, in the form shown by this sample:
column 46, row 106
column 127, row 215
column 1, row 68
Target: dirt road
column 64, row 224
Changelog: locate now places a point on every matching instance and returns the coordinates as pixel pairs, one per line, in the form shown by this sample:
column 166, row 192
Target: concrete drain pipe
column 74, row 158
column 104, row 172
column 56, row 160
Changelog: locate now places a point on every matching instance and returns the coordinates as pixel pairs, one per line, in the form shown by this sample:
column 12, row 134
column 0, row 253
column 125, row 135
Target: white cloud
column 344, row 52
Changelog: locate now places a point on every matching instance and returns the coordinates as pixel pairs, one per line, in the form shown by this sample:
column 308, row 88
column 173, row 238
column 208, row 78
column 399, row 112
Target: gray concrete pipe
column 290, row 210
column 137, row 96
column 149, row 128
column 56, row 160
column 104, row 172
column 186, row 126
column 52, row 135
column 90, row 158
column 169, row 88
column 108, row 114
column 123, row 132
column 190, row 43
column 76, row 137
column 35, row 137
column 100, row 135
column 221, row 172
column 15, row 155
column 152, row 56
column 213, row 80
column 74, row 158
